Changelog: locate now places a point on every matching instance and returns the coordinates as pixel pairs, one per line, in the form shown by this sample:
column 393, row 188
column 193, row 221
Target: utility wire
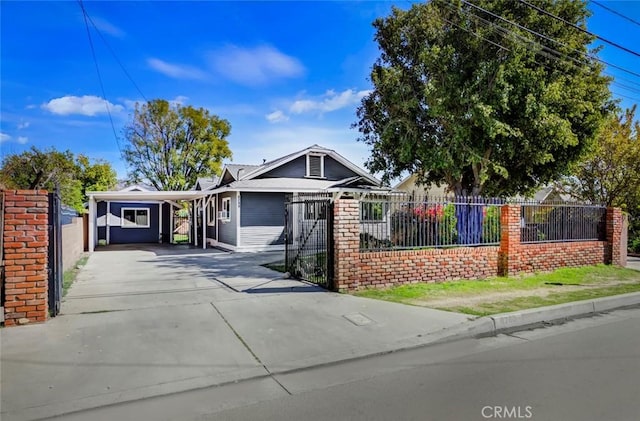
column 597, row 3
column 505, row 31
column 95, row 61
column 566, row 22
column 631, row 72
column 113, row 53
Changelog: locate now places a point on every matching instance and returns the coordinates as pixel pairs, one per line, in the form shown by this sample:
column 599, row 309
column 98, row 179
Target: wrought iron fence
column 562, row 222
column 398, row 221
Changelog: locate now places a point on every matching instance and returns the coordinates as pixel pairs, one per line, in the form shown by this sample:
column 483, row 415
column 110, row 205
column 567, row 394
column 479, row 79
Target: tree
column 463, row 98
column 610, row 172
column 37, row 169
column 170, row 147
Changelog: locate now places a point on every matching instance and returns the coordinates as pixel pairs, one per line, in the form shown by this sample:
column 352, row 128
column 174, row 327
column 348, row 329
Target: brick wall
column 25, row 256
column 354, row 270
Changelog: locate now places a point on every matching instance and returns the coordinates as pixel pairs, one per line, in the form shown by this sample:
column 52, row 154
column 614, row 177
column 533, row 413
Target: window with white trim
column 225, row 213
column 315, row 165
column 134, row 218
column 211, row 211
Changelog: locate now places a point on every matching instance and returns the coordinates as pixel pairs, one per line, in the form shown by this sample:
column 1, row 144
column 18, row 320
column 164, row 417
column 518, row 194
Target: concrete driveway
column 633, row 262
column 145, row 322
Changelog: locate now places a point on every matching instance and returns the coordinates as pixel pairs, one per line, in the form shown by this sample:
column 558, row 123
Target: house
column 410, row 185
column 241, row 210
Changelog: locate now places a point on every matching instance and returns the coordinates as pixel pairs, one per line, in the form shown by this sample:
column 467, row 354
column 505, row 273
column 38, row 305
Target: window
column 315, row 165
column 225, row 213
column 211, row 211
column 315, row 209
column 135, row 218
column 373, row 211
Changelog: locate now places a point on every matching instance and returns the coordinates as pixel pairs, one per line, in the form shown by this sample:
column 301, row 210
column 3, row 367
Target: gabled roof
column 240, row 171
column 137, row 187
column 268, row 166
column 206, row 183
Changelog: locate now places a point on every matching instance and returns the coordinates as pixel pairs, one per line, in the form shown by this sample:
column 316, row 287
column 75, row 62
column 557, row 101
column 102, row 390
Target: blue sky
column 285, row 74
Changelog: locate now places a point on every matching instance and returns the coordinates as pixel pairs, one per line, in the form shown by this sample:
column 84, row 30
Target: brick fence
column 355, row 269
column 25, row 256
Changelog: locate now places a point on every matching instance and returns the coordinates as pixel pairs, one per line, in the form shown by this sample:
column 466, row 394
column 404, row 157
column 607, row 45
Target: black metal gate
column 181, row 231
column 55, row 253
column 309, row 240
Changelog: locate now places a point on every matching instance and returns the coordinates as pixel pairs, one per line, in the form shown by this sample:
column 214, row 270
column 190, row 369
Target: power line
column 114, row 54
column 95, row 61
column 507, row 31
column 566, row 22
column 631, row 72
column 597, row 3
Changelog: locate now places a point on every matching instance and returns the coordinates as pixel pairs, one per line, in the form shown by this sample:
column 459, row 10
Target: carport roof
column 146, row 195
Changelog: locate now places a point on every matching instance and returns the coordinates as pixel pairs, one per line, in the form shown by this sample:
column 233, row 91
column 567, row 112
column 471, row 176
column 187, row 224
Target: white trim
column 194, row 228
column 225, row 216
column 124, row 222
column 171, row 222
column 238, row 207
column 106, row 222
column 308, row 170
column 160, row 223
column 204, row 223
column 211, row 213
column 92, row 224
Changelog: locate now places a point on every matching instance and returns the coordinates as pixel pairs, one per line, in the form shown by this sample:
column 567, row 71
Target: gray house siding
column 333, row 170
column 262, row 219
column 119, row 235
column 227, row 229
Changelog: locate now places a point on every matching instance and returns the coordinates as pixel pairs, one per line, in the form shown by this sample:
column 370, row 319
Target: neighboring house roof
column 135, row 187
column 409, row 184
column 206, row 183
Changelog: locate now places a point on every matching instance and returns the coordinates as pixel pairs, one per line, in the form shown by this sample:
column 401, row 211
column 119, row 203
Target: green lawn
column 499, row 295
column 180, row 238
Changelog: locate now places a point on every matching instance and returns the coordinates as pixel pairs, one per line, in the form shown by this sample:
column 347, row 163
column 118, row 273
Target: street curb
column 535, row 316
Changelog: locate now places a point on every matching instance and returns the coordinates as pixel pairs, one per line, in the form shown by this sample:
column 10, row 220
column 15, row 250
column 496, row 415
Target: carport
column 144, row 216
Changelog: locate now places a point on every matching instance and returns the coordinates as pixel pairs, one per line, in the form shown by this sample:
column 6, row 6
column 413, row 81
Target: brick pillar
column 25, row 253
column 508, row 263
column 616, row 251
column 346, row 237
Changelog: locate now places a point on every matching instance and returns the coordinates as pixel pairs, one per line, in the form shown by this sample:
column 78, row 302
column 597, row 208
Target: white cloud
column 4, row 137
column 330, row 101
column 108, row 28
column 277, row 117
column 23, row 125
column 88, row 105
column 176, row 71
column 22, row 140
column 255, row 66
column 179, row 100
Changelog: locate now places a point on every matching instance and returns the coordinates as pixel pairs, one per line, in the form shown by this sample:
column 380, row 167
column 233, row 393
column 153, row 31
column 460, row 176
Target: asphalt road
column 586, row 369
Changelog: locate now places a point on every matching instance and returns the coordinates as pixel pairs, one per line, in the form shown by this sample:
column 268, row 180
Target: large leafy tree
column 466, row 99
column 171, row 146
column 50, row 168
column 610, row 171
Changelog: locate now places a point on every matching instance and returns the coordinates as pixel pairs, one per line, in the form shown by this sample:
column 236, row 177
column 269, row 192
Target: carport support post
column 204, row 223
column 92, row 223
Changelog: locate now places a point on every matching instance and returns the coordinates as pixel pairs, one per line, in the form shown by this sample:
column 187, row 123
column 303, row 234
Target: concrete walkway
column 633, row 262
column 152, row 321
